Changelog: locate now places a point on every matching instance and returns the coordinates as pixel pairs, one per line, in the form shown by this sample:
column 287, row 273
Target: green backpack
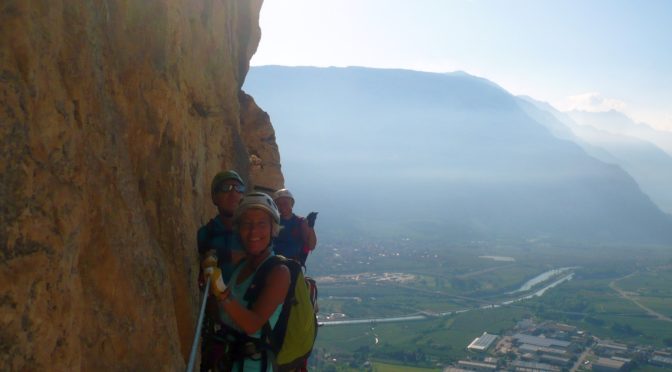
column 292, row 338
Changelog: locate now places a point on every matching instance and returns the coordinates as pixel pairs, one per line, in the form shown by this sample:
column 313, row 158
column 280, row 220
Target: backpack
column 293, row 337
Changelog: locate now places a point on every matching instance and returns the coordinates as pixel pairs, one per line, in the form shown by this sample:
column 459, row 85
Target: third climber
column 297, row 235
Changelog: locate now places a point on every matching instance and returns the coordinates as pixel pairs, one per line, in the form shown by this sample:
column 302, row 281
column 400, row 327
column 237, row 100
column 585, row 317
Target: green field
column 652, row 288
column 654, row 282
column 662, row 305
column 593, row 306
column 440, row 339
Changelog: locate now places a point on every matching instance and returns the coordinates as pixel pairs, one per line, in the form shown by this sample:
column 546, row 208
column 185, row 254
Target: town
column 549, row 346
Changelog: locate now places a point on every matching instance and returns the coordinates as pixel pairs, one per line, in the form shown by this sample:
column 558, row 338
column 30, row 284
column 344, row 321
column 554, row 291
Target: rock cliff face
column 114, row 116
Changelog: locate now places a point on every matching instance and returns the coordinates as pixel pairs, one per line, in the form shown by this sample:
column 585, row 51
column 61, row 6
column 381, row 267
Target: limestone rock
column 114, row 116
column 259, row 136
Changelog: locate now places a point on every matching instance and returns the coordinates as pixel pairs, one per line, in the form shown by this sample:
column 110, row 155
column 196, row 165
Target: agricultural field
column 650, row 288
column 661, row 305
column 594, row 306
column 422, row 342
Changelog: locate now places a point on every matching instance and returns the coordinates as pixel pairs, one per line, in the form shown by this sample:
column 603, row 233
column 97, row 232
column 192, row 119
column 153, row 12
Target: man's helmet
column 223, row 176
column 257, row 200
column 283, row 193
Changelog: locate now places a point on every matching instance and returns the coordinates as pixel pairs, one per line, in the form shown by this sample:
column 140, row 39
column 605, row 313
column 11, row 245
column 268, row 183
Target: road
column 479, row 272
column 628, row 297
column 579, row 361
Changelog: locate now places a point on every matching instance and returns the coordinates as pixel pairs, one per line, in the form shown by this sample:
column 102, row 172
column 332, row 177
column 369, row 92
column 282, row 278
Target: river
column 546, row 275
column 540, row 279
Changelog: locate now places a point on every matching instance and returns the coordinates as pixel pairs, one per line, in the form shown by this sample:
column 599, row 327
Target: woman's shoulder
column 279, row 274
column 280, row 270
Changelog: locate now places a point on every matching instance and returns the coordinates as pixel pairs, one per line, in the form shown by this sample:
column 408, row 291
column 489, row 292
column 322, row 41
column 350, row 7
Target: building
column 476, row 366
column 563, row 327
column 609, row 349
column 527, row 348
column 544, row 342
column 555, row 360
column 525, row 324
column 522, row 366
column 662, row 361
column 608, row 365
column 482, row 343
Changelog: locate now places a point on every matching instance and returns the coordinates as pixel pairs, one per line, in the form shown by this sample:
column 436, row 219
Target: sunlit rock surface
column 114, row 116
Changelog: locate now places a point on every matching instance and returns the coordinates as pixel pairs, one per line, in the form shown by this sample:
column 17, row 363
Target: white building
column 482, row 343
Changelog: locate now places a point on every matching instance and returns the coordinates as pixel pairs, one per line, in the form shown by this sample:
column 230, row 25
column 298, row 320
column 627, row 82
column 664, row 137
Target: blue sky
column 587, row 54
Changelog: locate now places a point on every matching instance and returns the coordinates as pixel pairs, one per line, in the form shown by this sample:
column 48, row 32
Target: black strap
column 209, row 234
column 259, row 281
column 264, row 361
column 303, row 256
column 274, row 337
column 209, row 228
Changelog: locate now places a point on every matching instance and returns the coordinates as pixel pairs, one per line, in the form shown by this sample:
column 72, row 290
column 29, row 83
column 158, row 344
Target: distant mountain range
column 449, row 156
column 617, row 123
column 624, row 143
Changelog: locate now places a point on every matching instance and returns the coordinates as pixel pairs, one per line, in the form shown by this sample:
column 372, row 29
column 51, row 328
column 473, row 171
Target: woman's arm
column 275, row 290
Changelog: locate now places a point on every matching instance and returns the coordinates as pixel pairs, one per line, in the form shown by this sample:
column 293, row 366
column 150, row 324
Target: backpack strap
column 210, row 230
column 259, row 281
column 274, row 337
column 209, row 227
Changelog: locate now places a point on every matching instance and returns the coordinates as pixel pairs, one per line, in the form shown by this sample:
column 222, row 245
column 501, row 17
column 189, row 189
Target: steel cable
column 197, row 335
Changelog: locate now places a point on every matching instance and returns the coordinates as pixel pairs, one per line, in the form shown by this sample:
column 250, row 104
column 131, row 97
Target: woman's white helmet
column 259, row 200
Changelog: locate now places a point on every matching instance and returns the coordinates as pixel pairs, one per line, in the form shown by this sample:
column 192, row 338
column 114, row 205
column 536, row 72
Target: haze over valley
column 456, row 156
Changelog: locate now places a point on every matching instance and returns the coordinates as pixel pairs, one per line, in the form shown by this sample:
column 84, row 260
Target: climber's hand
column 312, row 216
column 217, row 285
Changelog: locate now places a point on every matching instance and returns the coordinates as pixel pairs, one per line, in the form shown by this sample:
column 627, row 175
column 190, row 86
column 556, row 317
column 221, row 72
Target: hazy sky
column 586, row 54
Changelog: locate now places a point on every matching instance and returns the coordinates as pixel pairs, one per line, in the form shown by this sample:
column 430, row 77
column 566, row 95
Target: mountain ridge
column 649, row 165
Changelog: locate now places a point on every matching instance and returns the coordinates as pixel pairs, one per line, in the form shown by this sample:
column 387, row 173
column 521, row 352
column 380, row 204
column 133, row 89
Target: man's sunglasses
column 227, row 188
